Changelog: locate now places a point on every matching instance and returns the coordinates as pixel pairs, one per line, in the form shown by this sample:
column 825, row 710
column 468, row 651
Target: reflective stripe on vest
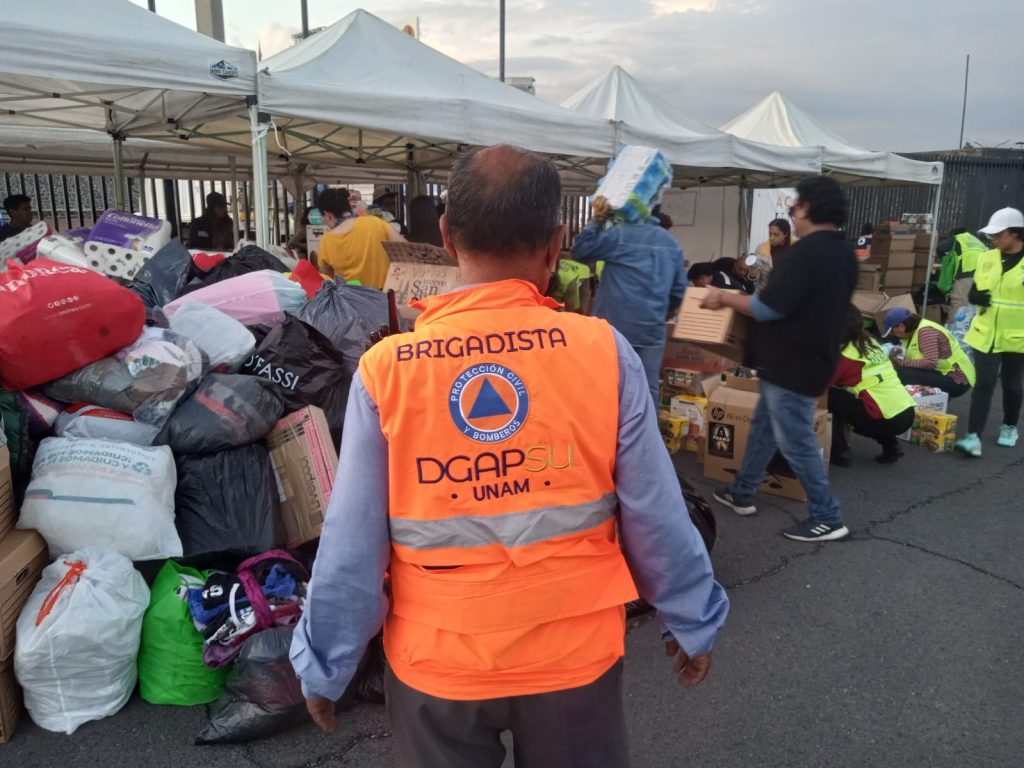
column 880, row 380
column 970, row 249
column 944, row 365
column 501, row 476
column 1000, row 326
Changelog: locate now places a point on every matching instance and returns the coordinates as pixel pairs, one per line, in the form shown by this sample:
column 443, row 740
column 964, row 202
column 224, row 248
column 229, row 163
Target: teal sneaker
column 971, row 445
column 1007, row 436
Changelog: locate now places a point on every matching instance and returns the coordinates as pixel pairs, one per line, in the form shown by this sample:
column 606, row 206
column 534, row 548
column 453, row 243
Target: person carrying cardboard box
column 800, row 319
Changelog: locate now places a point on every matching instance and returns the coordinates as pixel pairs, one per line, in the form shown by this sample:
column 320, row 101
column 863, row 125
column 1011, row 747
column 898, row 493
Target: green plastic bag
column 171, row 669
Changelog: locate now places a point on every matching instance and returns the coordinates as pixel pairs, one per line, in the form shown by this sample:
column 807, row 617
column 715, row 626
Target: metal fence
column 976, row 182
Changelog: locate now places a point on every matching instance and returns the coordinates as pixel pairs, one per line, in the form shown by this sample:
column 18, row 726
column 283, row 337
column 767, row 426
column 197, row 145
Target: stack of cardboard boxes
column 22, row 559
column 899, row 259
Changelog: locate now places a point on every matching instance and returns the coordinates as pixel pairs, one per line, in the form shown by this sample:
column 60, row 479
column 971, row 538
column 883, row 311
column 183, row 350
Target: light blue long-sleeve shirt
column 644, row 277
column 346, row 604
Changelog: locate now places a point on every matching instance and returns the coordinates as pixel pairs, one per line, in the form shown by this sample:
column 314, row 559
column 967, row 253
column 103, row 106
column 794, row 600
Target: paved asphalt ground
column 899, row 647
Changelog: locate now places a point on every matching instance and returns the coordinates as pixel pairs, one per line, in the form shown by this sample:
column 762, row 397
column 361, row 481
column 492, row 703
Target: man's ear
column 555, row 247
column 446, row 237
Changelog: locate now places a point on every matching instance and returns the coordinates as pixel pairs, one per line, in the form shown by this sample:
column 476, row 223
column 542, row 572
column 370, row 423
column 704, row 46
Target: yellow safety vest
column 999, row 327
column 970, row 249
column 944, row 366
column 879, row 379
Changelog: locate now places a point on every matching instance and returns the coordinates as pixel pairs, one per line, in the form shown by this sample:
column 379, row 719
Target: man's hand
column 600, row 210
column 713, row 300
column 690, row 672
column 322, row 712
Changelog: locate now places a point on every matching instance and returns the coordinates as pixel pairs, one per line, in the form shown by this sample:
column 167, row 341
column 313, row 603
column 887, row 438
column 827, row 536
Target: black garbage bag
column 251, row 258
column 227, row 502
column 306, row 368
column 226, row 411
column 163, row 278
column 262, row 696
column 703, row 518
column 347, row 315
column 369, row 683
column 701, row 513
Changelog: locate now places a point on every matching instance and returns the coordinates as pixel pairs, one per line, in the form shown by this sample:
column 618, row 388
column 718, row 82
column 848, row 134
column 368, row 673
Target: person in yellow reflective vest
column 933, row 358
column 867, row 395
column 513, row 517
column 997, row 330
column 958, row 255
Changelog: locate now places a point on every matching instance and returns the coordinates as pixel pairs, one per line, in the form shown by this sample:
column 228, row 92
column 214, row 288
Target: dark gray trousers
column 578, row 728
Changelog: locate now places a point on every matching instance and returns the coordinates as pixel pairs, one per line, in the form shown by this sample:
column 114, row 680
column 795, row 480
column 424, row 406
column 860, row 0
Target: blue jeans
column 651, row 357
column 784, row 421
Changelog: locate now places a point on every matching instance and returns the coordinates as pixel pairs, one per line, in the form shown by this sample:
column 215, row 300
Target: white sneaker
column 1007, row 436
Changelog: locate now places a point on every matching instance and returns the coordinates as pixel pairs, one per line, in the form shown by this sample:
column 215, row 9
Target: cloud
column 274, row 38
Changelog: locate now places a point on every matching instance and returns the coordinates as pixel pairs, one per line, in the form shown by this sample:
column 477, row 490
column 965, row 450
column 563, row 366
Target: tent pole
column 234, row 198
column 119, row 193
column 259, row 176
column 931, row 248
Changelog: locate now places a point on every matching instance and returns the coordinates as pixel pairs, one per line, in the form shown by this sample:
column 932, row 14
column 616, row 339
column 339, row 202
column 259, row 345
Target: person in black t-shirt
column 214, row 229
column 800, row 319
column 19, row 214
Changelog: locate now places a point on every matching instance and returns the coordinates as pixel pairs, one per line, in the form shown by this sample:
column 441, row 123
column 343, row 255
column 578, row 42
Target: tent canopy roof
column 366, row 91
column 112, row 65
column 777, row 120
column 699, row 152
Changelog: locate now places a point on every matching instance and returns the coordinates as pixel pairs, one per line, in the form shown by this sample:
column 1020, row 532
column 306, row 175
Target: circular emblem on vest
column 488, row 403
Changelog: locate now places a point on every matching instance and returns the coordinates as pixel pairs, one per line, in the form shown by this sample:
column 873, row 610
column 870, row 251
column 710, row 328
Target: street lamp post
column 501, row 40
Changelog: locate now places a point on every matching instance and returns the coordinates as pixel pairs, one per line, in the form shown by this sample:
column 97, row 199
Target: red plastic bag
column 56, row 318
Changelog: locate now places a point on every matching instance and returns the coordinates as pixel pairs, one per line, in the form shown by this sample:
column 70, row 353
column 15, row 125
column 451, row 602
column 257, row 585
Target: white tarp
column 777, row 120
column 113, row 66
column 697, row 150
column 363, row 90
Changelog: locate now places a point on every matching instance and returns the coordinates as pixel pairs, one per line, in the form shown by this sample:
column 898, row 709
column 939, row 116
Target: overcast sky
column 886, row 74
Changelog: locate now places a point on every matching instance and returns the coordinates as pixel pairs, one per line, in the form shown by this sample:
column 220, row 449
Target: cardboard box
column 730, row 412
column 694, row 409
column 674, row 430
column 22, row 559
column 683, row 354
column 921, row 259
column 934, row 431
column 875, row 305
column 418, row 270
column 899, row 279
column 887, row 244
column 682, row 381
column 869, row 277
column 10, row 701
column 901, row 260
column 926, row 401
column 923, row 241
column 305, row 464
column 722, row 331
column 7, row 516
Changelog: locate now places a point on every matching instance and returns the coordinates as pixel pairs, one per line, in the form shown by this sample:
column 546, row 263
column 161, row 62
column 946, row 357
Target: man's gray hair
column 503, row 201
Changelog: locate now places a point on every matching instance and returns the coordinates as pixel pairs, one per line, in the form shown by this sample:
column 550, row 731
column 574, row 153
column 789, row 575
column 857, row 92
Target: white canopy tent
column 365, row 95
column 777, row 120
column 113, row 67
column 700, row 154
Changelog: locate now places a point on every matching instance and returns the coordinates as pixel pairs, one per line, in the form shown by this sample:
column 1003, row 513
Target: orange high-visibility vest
column 501, row 418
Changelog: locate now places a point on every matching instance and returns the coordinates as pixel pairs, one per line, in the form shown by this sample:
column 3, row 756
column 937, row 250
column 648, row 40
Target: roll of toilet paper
column 62, row 249
column 121, row 243
column 22, row 246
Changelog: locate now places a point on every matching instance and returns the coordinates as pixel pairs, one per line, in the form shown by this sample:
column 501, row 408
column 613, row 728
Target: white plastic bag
column 104, row 424
column 78, row 638
column 225, row 341
column 102, row 493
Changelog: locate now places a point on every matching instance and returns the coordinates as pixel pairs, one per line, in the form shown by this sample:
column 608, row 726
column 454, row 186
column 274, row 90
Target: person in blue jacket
column 643, row 281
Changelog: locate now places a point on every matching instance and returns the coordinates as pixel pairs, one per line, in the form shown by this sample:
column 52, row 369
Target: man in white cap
column 997, row 331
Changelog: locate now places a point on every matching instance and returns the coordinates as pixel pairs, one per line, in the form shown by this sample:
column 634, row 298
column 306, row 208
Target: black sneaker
column 812, row 530
column 741, row 505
